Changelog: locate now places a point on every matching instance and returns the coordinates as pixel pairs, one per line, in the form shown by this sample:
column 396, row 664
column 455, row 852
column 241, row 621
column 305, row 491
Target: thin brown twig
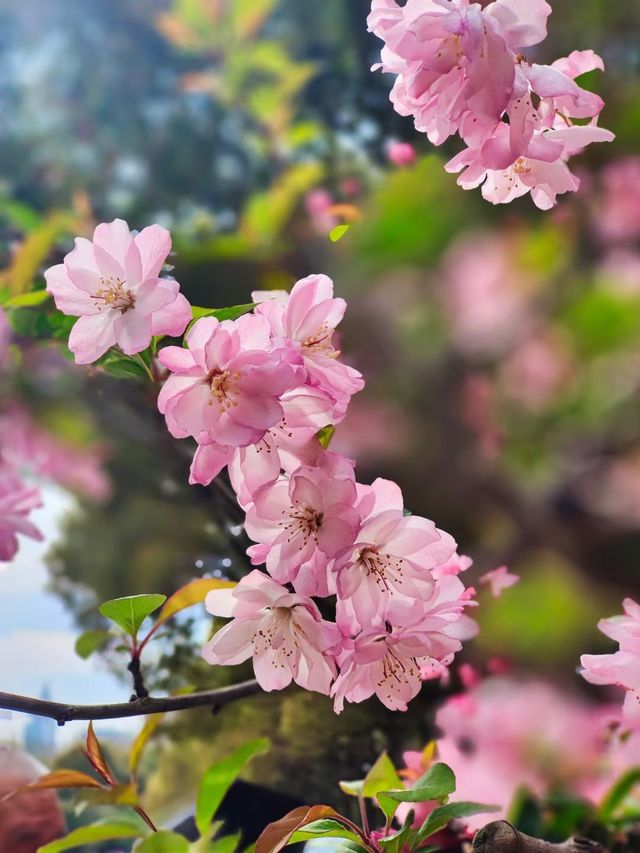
column 64, row 713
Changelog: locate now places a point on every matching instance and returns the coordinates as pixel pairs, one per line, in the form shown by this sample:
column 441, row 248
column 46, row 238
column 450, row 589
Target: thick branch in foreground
column 501, row 837
column 62, row 713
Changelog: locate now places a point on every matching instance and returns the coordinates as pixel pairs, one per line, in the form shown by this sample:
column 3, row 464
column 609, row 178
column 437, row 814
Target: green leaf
column 163, row 842
column 28, row 300
column 121, row 366
column 325, row 435
column 350, row 847
column 397, row 843
column 438, row 782
column 618, row 793
column 338, row 232
column 324, row 828
column 226, row 844
column 382, row 777
column 219, row 778
column 94, row 833
column 443, row 815
column 90, row 642
column 222, row 314
column 130, row 612
column 352, row 789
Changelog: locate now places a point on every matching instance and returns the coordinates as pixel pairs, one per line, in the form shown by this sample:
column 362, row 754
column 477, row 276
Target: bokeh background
column 501, row 346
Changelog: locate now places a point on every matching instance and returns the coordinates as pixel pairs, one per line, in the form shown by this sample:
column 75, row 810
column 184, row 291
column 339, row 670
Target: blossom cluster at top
column 460, row 70
column 254, row 393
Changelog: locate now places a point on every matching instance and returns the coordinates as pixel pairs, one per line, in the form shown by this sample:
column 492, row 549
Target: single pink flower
column 622, row 668
column 392, row 558
column 303, row 522
column 499, row 580
column 16, row 502
column 303, row 323
column 225, row 387
column 112, row 284
column 283, row 632
column 401, row 153
column 544, row 179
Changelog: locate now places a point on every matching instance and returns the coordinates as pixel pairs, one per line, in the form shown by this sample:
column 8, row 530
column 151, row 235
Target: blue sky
column 37, row 635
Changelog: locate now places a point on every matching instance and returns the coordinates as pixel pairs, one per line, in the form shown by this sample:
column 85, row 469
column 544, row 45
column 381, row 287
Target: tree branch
column 136, row 708
column 501, row 837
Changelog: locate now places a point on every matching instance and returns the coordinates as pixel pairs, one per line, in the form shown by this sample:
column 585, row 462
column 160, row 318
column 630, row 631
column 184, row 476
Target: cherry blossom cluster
column 261, row 395
column 255, row 393
column 460, row 70
column 622, row 668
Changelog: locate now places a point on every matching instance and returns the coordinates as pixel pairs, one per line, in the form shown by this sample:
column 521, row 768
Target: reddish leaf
column 276, row 835
column 61, row 779
column 96, row 757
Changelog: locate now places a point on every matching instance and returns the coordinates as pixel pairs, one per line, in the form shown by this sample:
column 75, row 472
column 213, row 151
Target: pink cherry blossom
column 391, row 558
column 622, row 668
column 506, row 733
column 303, row 323
column 454, row 61
column 544, row 179
column 617, row 214
column 286, row 446
column 225, row 387
column 283, row 633
column 391, row 662
column 112, row 284
column 26, row 446
column 304, row 521
column 16, row 502
column 401, row 153
column 455, row 566
column 499, row 580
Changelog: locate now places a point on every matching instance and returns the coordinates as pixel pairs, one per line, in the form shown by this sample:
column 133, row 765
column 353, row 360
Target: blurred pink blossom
column 401, row 153
column 27, row 446
column 537, row 370
column 506, row 733
column 16, row 503
column 618, row 208
column 486, row 293
column 499, row 579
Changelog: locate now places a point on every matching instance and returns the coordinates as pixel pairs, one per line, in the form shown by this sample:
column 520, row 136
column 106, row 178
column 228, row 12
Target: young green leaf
column 163, row 842
column 382, row 777
column 96, row 832
column 618, row 793
column 121, row 366
column 443, row 815
column 28, row 300
column 325, row 828
column 338, row 232
column 352, row 789
column 401, row 840
column 90, row 642
column 219, row 778
column 231, row 313
column 129, row 613
column 436, row 784
column 325, row 435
